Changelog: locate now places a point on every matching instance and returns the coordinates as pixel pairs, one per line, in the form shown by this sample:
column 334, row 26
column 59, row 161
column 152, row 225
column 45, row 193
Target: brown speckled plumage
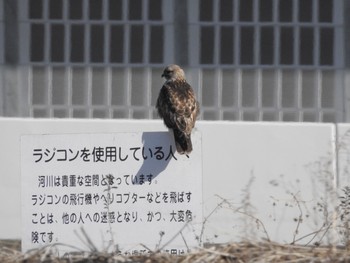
column 178, row 107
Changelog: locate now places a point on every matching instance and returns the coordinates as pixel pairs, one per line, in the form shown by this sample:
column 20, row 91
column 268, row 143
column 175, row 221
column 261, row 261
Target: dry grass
column 234, row 252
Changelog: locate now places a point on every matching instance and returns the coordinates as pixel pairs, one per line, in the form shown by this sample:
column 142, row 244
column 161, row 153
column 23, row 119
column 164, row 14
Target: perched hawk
column 178, row 107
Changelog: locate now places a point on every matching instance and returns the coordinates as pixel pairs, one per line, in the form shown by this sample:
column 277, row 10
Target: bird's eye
column 168, row 71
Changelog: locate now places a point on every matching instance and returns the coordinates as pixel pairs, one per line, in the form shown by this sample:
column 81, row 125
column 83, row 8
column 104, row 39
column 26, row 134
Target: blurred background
column 248, row 60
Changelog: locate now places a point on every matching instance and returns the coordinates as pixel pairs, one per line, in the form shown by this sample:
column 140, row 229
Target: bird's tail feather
column 183, row 142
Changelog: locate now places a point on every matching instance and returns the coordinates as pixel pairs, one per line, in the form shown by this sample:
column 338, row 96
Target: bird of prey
column 178, row 107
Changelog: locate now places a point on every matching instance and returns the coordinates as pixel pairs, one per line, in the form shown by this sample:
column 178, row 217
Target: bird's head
column 173, row 72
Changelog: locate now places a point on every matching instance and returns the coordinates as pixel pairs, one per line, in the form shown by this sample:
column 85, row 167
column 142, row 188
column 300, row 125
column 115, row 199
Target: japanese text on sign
column 127, row 186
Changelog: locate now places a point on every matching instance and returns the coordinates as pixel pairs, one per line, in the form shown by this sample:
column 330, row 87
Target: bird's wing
column 165, row 107
column 181, row 106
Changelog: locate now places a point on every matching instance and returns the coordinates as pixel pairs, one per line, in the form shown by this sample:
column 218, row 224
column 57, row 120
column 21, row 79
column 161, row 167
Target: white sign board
column 126, row 191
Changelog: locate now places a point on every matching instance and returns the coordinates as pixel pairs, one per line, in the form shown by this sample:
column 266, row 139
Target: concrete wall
column 260, row 180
